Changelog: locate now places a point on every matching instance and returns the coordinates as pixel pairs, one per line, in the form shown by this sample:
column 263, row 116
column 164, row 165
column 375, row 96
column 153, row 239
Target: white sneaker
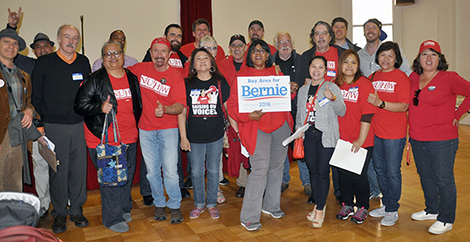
column 378, row 213
column 423, row 215
column 439, row 227
column 390, row 219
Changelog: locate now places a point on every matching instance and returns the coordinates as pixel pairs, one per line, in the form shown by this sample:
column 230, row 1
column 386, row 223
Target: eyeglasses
column 235, row 45
column 255, row 51
column 210, row 47
column 284, row 42
column 416, row 97
column 321, row 33
column 110, row 55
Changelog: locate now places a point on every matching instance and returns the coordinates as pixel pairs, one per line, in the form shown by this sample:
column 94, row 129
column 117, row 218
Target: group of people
column 182, row 98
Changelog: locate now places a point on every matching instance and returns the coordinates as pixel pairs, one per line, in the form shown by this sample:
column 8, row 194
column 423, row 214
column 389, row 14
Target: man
column 15, row 100
column 163, row 98
column 374, row 36
column 322, row 39
column 256, row 31
column 120, row 37
column 340, row 28
column 174, row 34
column 56, row 79
column 287, row 59
column 201, row 28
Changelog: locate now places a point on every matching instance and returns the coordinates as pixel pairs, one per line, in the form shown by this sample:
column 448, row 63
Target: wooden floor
column 294, row 226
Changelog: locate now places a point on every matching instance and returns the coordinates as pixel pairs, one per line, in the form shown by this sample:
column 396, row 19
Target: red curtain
column 190, row 11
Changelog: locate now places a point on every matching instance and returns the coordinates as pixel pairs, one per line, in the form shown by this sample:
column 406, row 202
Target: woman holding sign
column 261, row 134
column 319, row 103
column 355, row 127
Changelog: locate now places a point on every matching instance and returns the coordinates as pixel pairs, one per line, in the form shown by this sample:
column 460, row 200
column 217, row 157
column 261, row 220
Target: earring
column 194, row 71
column 212, row 70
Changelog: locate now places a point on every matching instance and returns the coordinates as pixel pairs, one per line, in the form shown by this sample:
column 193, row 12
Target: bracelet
column 334, row 98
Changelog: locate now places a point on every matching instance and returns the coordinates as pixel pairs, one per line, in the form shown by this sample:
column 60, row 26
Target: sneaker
column 378, row 213
column 252, row 226
column 389, row 219
column 127, row 217
column 360, row 216
column 195, row 213
column 159, row 213
column 284, row 186
column 176, row 216
column 214, row 212
column 275, row 214
column 345, row 212
column 308, row 190
column 121, row 227
column 224, row 182
column 188, row 184
column 439, row 227
column 423, row 215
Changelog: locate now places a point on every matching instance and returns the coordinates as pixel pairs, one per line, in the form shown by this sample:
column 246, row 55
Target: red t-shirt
column 355, row 97
column 176, row 62
column 187, row 49
column 393, row 86
column 166, row 87
column 432, row 119
column 331, row 56
column 125, row 115
column 227, row 69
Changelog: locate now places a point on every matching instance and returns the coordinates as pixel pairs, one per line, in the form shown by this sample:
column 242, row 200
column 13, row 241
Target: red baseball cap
column 161, row 40
column 430, row 44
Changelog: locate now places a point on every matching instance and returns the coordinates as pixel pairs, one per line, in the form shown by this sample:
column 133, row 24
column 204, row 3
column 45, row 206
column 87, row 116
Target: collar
column 64, row 58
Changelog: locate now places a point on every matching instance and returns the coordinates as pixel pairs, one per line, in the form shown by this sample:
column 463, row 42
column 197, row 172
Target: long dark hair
column 389, row 45
column 264, row 46
column 340, row 78
column 325, row 62
column 216, row 75
column 442, row 66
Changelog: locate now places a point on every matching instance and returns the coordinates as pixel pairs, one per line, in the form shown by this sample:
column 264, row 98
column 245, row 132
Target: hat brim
column 50, row 41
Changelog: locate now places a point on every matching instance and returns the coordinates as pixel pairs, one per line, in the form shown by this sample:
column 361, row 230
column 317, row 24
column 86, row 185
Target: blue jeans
column 205, row 156
column 387, row 157
column 373, row 180
column 303, row 172
column 435, row 166
column 115, row 201
column 160, row 151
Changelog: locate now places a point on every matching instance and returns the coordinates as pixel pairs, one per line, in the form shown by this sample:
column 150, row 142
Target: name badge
column 77, row 77
column 432, row 88
column 353, row 89
column 323, row 101
column 331, row 73
column 2, row 83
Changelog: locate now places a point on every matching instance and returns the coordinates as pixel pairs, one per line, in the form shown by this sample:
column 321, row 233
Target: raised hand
column 106, row 107
column 14, row 17
column 160, row 110
column 374, row 99
column 328, row 94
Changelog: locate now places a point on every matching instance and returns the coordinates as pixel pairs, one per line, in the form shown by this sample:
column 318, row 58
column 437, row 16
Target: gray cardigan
column 326, row 117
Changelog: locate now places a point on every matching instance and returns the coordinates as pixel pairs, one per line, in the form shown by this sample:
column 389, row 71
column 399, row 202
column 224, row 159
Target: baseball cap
column 237, row 37
column 160, row 40
column 429, row 44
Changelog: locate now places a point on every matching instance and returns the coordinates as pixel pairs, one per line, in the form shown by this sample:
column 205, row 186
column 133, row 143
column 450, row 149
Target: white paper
column 344, row 158
column 295, row 135
column 49, row 143
column 269, row 93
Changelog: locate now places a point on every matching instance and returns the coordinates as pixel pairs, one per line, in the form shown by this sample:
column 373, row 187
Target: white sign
column 269, row 93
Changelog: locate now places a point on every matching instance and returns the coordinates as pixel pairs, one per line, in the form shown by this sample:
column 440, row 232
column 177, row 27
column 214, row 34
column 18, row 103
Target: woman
column 261, row 134
column 392, row 96
column 322, row 103
column 112, row 88
column 354, row 127
column 434, row 133
column 203, row 137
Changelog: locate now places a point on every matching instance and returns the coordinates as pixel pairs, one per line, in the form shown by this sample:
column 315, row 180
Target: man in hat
column 256, row 31
column 15, row 98
column 374, row 37
column 201, row 28
column 163, row 98
column 119, row 37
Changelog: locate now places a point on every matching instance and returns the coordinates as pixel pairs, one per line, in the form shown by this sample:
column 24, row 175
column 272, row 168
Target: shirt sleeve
column 365, row 89
column 403, row 89
column 460, row 86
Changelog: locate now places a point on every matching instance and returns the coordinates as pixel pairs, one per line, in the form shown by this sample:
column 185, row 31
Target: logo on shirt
column 311, row 109
column 331, row 65
column 350, row 95
column 176, row 63
column 122, row 94
column 204, row 102
column 154, row 85
column 384, row 86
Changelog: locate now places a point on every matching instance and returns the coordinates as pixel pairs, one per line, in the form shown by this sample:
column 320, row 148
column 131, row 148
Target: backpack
column 17, row 208
column 21, row 233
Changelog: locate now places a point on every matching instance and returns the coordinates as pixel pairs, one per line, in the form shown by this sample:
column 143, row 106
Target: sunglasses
column 416, row 97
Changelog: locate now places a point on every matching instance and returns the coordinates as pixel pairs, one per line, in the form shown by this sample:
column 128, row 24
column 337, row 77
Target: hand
column 328, row 94
column 374, row 99
column 14, row 18
column 356, row 145
column 42, row 141
column 294, row 87
column 185, row 144
column 27, row 119
column 106, row 107
column 256, row 115
column 455, row 123
column 160, row 110
column 301, row 135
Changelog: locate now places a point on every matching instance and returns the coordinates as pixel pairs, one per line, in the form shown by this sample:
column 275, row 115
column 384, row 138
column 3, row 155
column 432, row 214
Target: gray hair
column 59, row 31
column 207, row 39
column 109, row 43
column 283, row 32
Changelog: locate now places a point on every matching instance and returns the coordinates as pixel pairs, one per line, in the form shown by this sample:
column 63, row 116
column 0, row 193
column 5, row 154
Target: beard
column 175, row 46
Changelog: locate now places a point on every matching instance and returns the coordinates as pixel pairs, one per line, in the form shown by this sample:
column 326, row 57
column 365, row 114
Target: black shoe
column 311, row 200
column 44, row 213
column 240, row 192
column 80, row 220
column 224, row 182
column 60, row 224
column 188, row 184
column 284, row 186
column 148, row 200
column 185, row 193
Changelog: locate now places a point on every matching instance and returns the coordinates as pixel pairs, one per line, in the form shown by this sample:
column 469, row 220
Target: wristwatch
column 382, row 105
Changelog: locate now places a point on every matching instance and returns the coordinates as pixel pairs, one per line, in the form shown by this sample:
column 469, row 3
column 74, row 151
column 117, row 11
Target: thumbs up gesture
column 106, row 106
column 328, row 94
column 159, row 110
column 374, row 99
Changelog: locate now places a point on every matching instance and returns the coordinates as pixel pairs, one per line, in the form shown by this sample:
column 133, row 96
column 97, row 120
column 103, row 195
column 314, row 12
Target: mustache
column 71, row 45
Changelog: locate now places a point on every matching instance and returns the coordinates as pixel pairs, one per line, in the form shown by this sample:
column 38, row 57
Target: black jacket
column 95, row 90
column 353, row 46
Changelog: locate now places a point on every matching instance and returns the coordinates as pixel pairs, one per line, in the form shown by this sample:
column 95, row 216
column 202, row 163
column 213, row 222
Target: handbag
column 112, row 159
